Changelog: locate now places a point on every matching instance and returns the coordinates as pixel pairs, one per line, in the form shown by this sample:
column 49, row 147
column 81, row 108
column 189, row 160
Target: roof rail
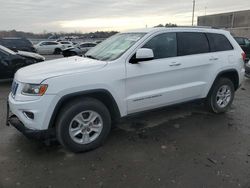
column 208, row 27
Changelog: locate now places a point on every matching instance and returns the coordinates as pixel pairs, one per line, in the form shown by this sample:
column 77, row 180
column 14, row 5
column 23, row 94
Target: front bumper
column 41, row 108
column 29, row 133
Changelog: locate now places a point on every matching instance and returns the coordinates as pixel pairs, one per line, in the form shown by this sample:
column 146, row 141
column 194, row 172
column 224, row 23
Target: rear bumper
column 29, row 133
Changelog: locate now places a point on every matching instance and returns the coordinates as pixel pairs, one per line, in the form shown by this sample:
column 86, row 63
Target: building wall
column 236, row 22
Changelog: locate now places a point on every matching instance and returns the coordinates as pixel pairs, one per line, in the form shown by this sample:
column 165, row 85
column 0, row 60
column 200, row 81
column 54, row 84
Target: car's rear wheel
column 57, row 51
column 221, row 96
column 83, row 125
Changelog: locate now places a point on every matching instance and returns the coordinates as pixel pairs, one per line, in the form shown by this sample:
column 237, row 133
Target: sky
column 91, row 15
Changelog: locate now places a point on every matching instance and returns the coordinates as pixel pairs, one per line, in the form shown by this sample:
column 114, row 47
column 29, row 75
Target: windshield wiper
column 90, row 56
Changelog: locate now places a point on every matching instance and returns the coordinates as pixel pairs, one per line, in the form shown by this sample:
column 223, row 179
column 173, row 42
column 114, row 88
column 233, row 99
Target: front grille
column 14, row 88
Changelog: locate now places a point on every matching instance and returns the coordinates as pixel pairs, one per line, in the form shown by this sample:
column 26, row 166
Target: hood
column 31, row 55
column 38, row 72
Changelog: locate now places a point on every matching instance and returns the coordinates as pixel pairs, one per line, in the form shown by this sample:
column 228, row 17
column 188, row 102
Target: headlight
column 34, row 89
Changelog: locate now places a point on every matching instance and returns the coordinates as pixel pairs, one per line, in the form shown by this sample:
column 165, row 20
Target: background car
column 49, row 47
column 79, row 50
column 247, row 69
column 11, row 61
column 67, row 44
column 15, row 44
column 245, row 45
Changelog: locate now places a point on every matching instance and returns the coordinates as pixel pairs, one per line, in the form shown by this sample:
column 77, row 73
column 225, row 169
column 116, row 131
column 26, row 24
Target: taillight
column 244, row 56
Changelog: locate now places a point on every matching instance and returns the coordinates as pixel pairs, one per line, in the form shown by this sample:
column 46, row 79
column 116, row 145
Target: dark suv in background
column 16, row 44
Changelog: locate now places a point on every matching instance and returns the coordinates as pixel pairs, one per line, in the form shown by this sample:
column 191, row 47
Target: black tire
column 66, row 116
column 211, row 100
column 57, row 51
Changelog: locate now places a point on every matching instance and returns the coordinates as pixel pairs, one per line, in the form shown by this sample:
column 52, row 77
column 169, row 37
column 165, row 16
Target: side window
column 247, row 42
column 218, row 42
column 52, row 43
column 43, row 44
column 163, row 45
column 84, row 45
column 91, row 45
column 192, row 43
column 240, row 41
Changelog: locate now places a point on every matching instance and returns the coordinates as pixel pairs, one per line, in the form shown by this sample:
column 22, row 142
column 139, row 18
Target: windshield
column 7, row 50
column 114, row 47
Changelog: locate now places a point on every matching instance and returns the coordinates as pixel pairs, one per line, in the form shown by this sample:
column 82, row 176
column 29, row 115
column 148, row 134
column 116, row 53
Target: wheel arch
column 100, row 94
column 231, row 74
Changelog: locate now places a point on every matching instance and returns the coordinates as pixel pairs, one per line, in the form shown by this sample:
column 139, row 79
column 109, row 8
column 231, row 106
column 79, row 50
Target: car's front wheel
column 221, row 96
column 83, row 125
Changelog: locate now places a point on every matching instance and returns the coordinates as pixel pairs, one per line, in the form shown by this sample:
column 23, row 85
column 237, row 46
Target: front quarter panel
column 110, row 78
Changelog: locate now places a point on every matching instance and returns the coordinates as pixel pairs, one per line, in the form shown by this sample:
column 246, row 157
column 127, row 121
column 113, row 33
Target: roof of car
column 179, row 28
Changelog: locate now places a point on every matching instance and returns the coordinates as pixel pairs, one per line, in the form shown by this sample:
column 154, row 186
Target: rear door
column 197, row 64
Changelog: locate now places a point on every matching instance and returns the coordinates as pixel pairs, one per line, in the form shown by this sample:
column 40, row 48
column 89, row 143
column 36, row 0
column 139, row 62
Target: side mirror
column 143, row 54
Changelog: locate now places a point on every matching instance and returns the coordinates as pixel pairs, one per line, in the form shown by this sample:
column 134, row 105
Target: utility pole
column 205, row 10
column 193, row 12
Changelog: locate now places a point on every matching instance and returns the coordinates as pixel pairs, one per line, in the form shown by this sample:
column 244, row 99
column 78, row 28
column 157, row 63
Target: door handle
column 213, row 58
column 174, row 64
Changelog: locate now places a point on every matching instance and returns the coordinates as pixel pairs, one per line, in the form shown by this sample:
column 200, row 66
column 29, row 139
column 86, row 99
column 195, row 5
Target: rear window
column 218, row 42
column 192, row 43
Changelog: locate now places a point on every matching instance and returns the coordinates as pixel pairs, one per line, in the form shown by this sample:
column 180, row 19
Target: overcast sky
column 91, row 15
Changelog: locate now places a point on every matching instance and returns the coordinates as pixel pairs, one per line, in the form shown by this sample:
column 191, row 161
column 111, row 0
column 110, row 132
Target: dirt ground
column 181, row 146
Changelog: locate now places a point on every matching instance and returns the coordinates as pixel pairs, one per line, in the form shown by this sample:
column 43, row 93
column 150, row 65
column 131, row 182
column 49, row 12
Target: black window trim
column 177, row 38
column 221, row 50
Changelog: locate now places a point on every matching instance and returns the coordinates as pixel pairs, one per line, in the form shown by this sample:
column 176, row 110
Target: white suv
column 49, row 47
column 75, row 99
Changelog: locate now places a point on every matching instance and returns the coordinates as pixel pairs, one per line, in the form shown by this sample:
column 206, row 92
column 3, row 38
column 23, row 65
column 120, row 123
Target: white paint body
column 134, row 87
column 45, row 49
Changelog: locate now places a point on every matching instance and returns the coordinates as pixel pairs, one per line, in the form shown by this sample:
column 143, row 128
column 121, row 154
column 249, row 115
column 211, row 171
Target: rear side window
column 218, row 42
column 192, row 43
column 49, row 43
column 163, row 45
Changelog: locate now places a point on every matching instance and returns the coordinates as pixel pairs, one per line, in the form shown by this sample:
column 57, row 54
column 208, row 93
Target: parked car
column 247, row 69
column 49, row 47
column 11, row 61
column 245, row 45
column 75, row 99
column 16, row 44
column 79, row 50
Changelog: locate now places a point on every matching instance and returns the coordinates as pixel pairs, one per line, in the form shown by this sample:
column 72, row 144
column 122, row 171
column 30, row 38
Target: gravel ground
column 181, row 146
